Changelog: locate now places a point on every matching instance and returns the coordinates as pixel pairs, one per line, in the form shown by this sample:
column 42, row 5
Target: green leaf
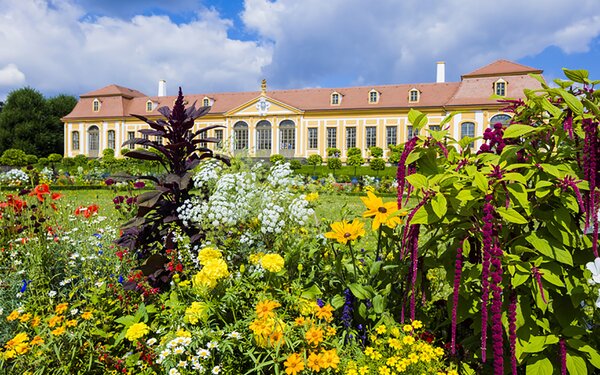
column 466, row 195
column 550, row 250
column 359, row 291
column 576, row 364
column 519, row 193
column 551, row 277
column 581, row 346
column 551, row 169
column 425, row 215
column 480, row 182
column 536, row 344
column 378, row 304
column 126, row 320
column 574, row 104
column 511, row 215
column 312, row 292
column 439, row 205
column 417, row 119
column 518, row 130
column 579, row 75
column 417, row 180
column 337, row 301
column 551, row 108
column 515, row 177
column 542, row 366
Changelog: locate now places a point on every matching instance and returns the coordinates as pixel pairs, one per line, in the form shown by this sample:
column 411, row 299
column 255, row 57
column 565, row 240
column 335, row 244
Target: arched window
column 206, row 102
column 287, row 137
column 149, row 106
column 467, row 129
column 413, row 96
column 96, row 105
column 500, row 87
column 373, row 96
column 501, row 118
column 111, row 139
column 93, row 141
column 335, row 99
column 240, row 134
column 75, row 140
column 263, row 135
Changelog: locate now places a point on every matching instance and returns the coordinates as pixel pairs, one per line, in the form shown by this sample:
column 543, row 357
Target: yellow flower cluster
column 137, row 331
column 214, row 269
column 272, row 262
column 198, row 311
column 316, row 361
column 396, row 350
column 20, row 344
column 311, row 197
column 267, row 327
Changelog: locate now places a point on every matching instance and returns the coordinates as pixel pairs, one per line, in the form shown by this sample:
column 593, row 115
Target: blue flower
column 98, row 235
column 121, row 279
column 24, row 287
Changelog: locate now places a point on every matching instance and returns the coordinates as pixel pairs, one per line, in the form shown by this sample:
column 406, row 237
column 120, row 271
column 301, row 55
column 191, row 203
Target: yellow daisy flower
column 343, row 231
column 382, row 213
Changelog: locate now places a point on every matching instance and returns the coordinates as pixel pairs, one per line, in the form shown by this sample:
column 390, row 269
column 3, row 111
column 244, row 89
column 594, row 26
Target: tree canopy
column 31, row 123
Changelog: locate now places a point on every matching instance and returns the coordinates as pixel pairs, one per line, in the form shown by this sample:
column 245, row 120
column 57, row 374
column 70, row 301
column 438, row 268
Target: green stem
column 378, row 244
column 353, row 261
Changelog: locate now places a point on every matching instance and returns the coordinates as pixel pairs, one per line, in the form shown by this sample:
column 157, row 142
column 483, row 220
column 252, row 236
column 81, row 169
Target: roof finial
column 263, row 86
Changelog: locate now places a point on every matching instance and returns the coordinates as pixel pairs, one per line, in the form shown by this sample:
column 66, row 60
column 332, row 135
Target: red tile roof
column 475, row 88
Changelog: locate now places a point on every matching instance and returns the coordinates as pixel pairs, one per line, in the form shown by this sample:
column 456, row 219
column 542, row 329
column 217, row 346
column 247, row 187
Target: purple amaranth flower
column 457, row 273
column 568, row 124
column 401, row 173
column 590, row 172
column 139, row 184
column 488, row 232
column 511, row 105
column 570, row 182
column 414, row 240
column 461, row 164
column 496, row 310
column 409, row 189
column 512, row 329
column 563, row 356
column 537, row 275
column 109, row 181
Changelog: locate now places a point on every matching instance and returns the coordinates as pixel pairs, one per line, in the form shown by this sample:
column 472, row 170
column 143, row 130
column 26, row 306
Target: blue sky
column 75, row 46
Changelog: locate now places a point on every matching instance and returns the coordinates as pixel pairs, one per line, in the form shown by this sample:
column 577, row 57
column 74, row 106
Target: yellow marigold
column 272, row 262
column 384, row 370
column 208, row 253
column 71, row 323
column 325, row 312
column 37, row 340
column 35, row 321
column 381, row 329
column 407, row 328
column 198, row 311
column 19, row 339
column 417, row 324
column 314, row 362
column 255, row 258
column 183, row 333
column 265, row 308
column 343, row 231
column 331, row 331
column 55, row 320
column 58, row 331
column 408, row 340
column 25, row 318
column 136, row 331
column 213, row 271
column 394, row 343
column 314, row 336
column 293, row 364
column 61, row 307
column 86, row 315
column 364, row 370
column 21, row 349
column 330, row 359
column 14, row 315
column 268, row 331
column 312, row 197
column 395, row 332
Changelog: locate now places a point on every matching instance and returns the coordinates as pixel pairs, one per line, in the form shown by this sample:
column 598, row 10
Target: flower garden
column 485, row 262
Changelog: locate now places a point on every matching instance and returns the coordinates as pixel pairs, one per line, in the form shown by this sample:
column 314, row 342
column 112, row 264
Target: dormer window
column 206, row 101
column 500, row 87
column 149, row 106
column 373, row 96
column 96, row 105
column 413, row 96
column 335, row 98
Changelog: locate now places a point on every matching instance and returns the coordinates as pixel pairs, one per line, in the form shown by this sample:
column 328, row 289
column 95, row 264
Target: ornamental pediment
column 263, row 106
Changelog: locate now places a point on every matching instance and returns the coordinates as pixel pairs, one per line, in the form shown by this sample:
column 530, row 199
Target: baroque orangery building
column 298, row 123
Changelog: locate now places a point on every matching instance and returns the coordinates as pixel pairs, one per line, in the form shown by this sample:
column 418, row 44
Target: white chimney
column 162, row 88
column 441, row 72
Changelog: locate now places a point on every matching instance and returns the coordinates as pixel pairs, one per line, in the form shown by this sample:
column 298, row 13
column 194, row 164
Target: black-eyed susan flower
column 343, row 231
column 382, row 213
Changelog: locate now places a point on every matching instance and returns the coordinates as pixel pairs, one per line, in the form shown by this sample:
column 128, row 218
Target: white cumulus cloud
column 10, row 75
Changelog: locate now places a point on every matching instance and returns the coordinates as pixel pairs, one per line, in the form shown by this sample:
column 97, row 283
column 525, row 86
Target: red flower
column 56, row 196
column 40, row 191
column 86, row 211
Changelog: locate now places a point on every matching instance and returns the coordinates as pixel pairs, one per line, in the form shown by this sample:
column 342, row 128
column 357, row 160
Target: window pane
column 503, row 119
column 467, row 129
column 263, row 135
column 411, row 134
column 287, row 135
column 371, row 136
column 350, row 137
column 391, row 136
column 130, row 135
column 313, row 140
column 331, row 137
column 111, row 139
column 75, row 141
column 435, row 128
column 240, row 136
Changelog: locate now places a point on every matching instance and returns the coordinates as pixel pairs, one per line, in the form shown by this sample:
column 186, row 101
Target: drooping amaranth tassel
column 457, row 274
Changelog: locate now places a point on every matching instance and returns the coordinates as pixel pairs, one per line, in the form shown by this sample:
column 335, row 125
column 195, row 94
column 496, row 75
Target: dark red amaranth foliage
column 568, row 124
column 401, row 173
column 457, row 273
column 411, row 170
column 563, row 356
column 512, row 105
column 590, row 174
column 488, row 232
column 496, row 309
column 512, row 328
column 537, row 275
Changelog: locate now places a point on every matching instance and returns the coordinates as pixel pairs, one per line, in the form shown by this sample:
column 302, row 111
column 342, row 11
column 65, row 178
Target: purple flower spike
column 537, row 275
column 563, row 357
column 457, row 275
column 512, row 329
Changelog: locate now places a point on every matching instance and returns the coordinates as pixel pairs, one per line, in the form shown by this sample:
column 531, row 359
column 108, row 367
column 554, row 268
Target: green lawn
column 347, row 171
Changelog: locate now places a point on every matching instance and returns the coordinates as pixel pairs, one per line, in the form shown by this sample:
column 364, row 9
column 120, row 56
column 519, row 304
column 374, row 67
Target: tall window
column 75, row 140
column 205, row 102
column 287, row 135
column 411, row 133
column 500, row 88
column 414, row 96
column 111, row 139
column 350, row 137
column 96, row 105
column 313, row 138
column 371, row 136
column 159, row 139
column 435, row 128
column 502, row 118
column 93, row 141
column 391, row 137
column 467, row 129
column 145, row 136
column 373, row 96
column 219, row 136
column 331, row 137
column 130, row 135
column 335, row 99
column 240, row 135
column 149, row 106
column 263, row 135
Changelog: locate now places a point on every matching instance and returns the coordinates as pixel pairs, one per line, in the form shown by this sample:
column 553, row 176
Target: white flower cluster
column 179, row 346
column 270, row 219
column 208, row 173
column 282, row 175
column 594, row 268
column 14, row 177
column 46, row 174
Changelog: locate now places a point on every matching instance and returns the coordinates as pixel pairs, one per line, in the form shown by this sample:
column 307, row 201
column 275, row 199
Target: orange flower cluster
column 86, row 211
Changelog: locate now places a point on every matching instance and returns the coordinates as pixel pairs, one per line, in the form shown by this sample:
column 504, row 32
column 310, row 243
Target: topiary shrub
column 80, row 160
column 376, row 151
column 44, row 162
column 394, row 153
column 275, row 158
column 334, row 163
column 314, row 160
column 14, row 158
column 295, row 164
column 332, row 151
column 377, row 164
column 353, row 151
column 355, row 161
column 31, row 159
